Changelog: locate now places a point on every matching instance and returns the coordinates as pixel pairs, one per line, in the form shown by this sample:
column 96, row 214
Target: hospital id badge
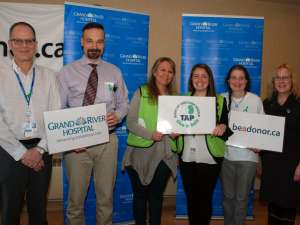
column 28, row 125
column 28, row 130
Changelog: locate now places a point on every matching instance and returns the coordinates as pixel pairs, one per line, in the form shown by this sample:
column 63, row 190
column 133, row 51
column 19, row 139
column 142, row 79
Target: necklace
column 237, row 102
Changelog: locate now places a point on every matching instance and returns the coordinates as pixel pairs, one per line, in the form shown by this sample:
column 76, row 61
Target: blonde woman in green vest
column 202, row 155
column 150, row 159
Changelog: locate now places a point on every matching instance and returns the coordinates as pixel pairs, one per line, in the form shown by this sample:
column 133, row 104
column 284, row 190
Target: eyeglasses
column 277, row 78
column 21, row 42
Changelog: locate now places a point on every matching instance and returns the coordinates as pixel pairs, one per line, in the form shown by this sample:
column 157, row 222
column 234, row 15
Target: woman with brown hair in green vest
column 202, row 155
column 150, row 158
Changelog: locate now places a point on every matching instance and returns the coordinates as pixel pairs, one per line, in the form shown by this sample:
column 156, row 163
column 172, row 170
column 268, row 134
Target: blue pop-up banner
column 126, row 46
column 220, row 42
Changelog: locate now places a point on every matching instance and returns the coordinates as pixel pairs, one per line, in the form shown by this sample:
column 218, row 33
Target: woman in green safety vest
column 202, row 155
column 150, row 158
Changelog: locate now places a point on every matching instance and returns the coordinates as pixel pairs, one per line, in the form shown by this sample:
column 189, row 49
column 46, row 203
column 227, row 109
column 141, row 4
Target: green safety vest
column 147, row 114
column 215, row 145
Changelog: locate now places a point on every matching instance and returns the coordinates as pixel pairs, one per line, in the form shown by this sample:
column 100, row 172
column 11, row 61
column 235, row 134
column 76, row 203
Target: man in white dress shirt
column 26, row 91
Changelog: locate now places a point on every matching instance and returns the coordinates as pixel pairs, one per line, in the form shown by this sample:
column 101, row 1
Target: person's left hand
column 255, row 150
column 40, row 165
column 31, row 158
column 174, row 135
column 297, row 173
column 219, row 130
column 112, row 119
column 79, row 150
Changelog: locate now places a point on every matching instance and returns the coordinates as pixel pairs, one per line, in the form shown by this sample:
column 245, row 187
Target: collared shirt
column 45, row 97
column 111, row 89
column 26, row 79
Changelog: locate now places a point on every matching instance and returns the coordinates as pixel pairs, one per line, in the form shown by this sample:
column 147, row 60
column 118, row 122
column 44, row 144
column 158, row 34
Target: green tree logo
column 187, row 114
column 190, row 109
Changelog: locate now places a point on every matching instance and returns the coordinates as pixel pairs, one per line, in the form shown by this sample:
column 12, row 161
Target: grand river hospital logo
column 81, row 121
column 187, row 114
column 79, row 126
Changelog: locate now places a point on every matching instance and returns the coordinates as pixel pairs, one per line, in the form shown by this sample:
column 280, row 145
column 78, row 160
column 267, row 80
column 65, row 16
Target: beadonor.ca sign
column 252, row 130
column 255, row 130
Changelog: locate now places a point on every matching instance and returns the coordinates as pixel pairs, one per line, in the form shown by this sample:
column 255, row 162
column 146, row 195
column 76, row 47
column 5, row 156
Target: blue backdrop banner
column 126, row 46
column 220, row 42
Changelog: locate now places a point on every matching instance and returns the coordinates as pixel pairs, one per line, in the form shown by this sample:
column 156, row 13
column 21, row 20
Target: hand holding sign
column 157, row 136
column 219, row 130
column 112, row 119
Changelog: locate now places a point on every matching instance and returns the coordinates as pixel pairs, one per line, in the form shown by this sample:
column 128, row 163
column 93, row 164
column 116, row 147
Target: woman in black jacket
column 280, row 185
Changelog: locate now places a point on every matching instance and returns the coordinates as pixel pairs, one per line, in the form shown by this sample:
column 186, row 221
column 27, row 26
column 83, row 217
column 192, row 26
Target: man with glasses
column 26, row 91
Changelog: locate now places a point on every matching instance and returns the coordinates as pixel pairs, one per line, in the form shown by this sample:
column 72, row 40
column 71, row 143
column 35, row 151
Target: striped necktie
column 91, row 87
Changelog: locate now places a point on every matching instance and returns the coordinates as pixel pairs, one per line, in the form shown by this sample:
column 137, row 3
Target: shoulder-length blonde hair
column 153, row 90
column 294, row 89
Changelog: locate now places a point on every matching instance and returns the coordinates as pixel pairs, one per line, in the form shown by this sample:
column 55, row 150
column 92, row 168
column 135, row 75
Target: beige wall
column 281, row 38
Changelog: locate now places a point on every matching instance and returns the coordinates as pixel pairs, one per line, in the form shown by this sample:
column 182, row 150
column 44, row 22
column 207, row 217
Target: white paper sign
column 256, row 131
column 73, row 128
column 186, row 114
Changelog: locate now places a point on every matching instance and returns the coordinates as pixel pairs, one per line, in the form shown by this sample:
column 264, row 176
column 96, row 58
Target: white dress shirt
column 13, row 105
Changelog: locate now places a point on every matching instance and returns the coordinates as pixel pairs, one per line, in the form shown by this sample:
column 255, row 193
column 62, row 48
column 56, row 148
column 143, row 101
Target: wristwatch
column 40, row 150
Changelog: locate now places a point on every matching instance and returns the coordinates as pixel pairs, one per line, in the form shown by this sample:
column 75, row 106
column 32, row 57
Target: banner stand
column 126, row 46
column 220, row 42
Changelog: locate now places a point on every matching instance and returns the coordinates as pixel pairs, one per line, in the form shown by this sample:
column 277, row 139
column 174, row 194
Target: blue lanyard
column 27, row 96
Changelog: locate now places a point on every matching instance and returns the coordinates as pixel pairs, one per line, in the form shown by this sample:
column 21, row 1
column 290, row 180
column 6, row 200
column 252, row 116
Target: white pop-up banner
column 259, row 131
column 186, row 114
column 73, row 128
column 48, row 22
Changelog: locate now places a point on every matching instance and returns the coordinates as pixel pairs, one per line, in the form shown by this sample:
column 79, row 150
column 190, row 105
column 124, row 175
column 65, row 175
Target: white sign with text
column 74, row 128
column 186, row 114
column 259, row 131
